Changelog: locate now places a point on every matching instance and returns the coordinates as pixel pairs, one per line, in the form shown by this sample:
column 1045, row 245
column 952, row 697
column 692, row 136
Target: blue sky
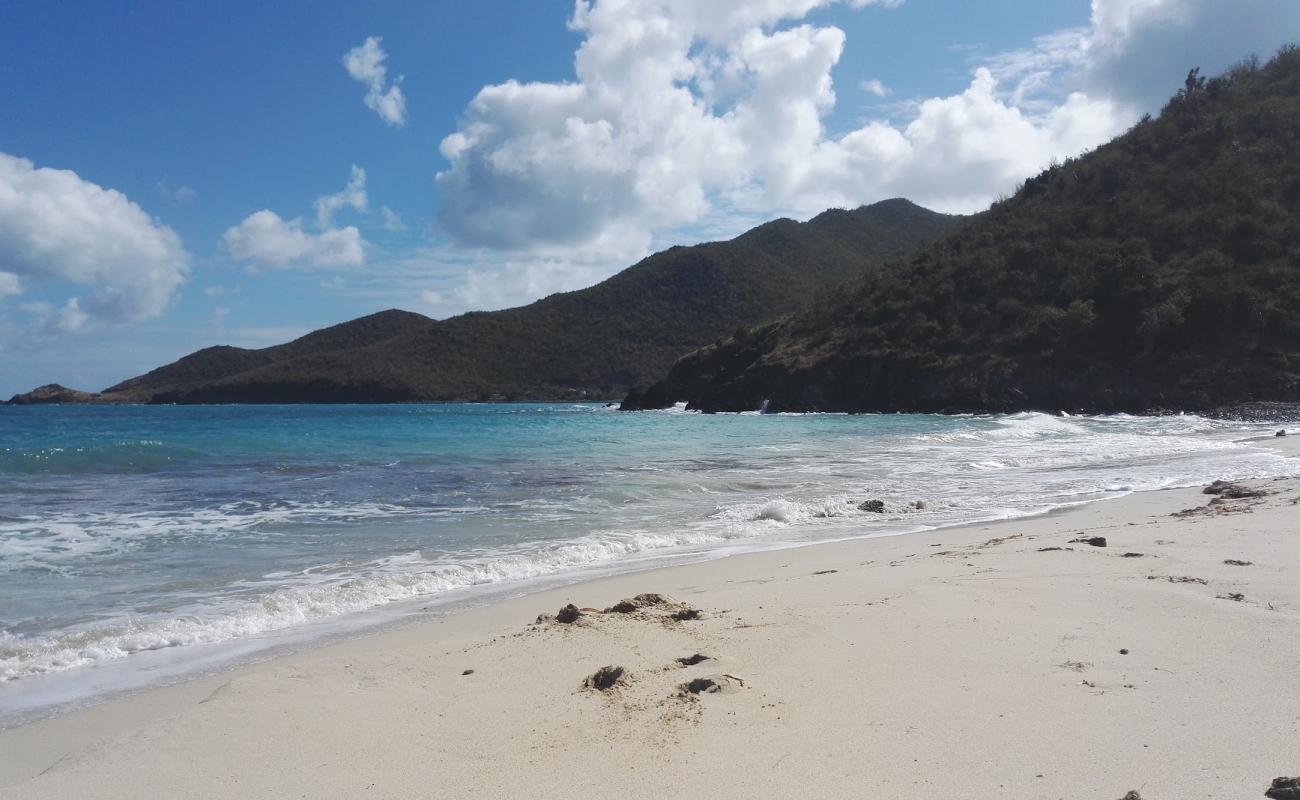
column 176, row 175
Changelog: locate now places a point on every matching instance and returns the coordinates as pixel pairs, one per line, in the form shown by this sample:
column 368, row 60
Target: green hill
column 593, row 343
column 1161, row 271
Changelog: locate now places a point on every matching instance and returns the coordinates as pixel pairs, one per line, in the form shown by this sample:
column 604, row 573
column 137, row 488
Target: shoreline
column 403, row 687
column 153, row 670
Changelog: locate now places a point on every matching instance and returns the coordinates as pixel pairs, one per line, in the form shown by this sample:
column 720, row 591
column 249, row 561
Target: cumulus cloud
column 875, row 86
column 58, row 229
column 680, row 110
column 266, row 240
column 352, row 196
column 365, row 63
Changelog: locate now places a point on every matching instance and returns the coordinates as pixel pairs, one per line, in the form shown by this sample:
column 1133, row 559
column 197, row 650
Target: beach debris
column 636, row 603
column 919, row 505
column 468, row 672
column 1234, row 596
column 1123, row 651
column 1133, row 555
column 1284, row 789
column 712, row 684
column 1053, row 549
column 686, row 614
column 1076, row 666
column 1131, row 795
column 1227, row 490
column 873, row 506
column 690, row 661
column 826, row 572
column 605, row 678
column 999, row 540
column 1095, row 541
column 1280, row 433
column 1235, row 562
column 1180, row 579
column 568, row 615
column 701, row 686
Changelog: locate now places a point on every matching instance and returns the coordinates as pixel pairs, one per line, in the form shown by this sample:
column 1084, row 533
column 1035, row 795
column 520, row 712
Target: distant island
column 1159, row 272
column 592, row 344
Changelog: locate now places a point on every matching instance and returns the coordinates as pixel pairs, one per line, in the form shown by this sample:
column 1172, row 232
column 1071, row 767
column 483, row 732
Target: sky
column 179, row 175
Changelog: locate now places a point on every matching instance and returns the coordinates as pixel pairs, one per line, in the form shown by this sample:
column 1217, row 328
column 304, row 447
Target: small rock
column 468, row 672
column 1133, row 795
column 690, row 661
column 919, row 505
column 568, row 615
column 1280, row 433
column 604, row 679
column 1123, row 651
column 1132, row 555
column 1284, row 789
column 873, row 506
column 826, row 572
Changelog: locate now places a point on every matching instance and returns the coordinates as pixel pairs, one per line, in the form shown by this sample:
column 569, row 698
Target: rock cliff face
column 590, row 344
column 1159, row 272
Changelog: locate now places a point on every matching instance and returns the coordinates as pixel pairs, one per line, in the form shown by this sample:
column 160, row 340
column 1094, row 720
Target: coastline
column 962, row 660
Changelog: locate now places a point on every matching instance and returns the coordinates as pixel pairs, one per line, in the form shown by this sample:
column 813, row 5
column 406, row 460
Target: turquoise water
column 198, row 531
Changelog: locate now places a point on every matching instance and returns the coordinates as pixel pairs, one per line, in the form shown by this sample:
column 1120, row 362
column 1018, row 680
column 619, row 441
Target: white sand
column 947, row 664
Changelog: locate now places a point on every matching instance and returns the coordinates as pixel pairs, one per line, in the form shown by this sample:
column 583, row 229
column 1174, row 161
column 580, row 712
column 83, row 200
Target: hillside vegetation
column 1161, row 271
column 594, row 343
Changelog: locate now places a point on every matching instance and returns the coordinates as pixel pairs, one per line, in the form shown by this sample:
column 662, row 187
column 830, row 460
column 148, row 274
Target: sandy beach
column 1005, row 660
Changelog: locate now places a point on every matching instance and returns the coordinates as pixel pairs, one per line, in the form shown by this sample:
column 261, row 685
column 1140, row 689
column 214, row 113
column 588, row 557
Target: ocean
column 142, row 544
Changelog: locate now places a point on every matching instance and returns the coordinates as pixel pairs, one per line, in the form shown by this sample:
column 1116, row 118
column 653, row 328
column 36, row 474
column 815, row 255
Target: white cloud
column 353, row 196
column 58, row 229
column 266, row 240
column 391, row 221
column 365, row 63
column 682, row 113
column 875, row 86
column 181, row 194
column 10, row 285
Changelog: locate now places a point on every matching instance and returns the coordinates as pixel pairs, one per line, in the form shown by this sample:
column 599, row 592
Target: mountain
column 593, row 343
column 1161, row 271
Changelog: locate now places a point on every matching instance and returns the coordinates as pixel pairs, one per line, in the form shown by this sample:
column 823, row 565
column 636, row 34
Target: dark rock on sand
column 686, row 614
column 1284, row 789
column 690, row 661
column 568, row 615
column 873, row 506
column 604, row 679
column 468, row 672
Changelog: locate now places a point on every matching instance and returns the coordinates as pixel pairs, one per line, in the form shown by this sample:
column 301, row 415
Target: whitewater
column 141, row 544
